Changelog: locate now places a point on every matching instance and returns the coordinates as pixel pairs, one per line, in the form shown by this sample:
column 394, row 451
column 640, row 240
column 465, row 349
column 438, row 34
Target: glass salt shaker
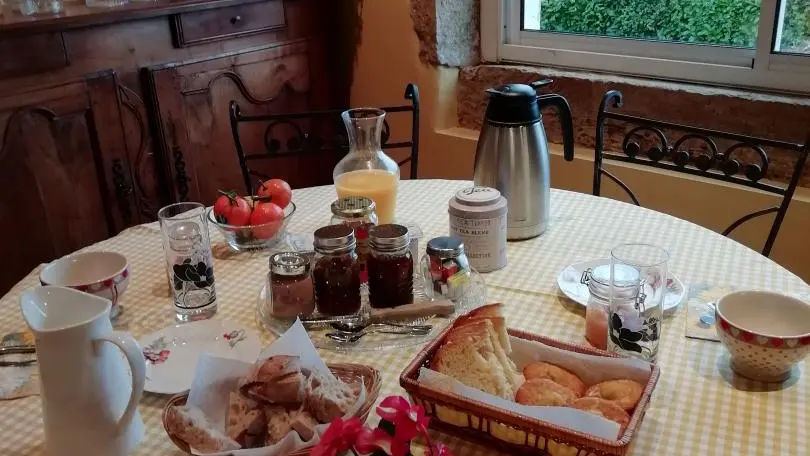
column 336, row 271
column 597, row 310
column 290, row 286
column 359, row 213
column 390, row 267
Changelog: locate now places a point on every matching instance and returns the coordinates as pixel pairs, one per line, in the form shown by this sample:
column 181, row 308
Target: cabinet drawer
column 43, row 52
column 223, row 23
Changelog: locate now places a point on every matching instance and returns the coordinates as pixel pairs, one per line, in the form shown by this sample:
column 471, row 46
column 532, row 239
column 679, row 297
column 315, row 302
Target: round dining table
column 699, row 407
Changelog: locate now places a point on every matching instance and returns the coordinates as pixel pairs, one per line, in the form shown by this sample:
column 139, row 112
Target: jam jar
column 390, row 266
column 360, row 214
column 336, row 271
column 290, row 286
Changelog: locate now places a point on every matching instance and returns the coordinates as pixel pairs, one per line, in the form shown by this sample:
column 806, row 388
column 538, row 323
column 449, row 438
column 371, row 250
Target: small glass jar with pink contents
column 596, row 313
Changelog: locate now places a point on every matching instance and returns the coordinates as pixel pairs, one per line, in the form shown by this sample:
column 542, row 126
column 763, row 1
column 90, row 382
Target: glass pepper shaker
column 390, row 266
column 597, row 310
column 359, row 213
column 290, row 286
column 336, row 271
column 445, row 268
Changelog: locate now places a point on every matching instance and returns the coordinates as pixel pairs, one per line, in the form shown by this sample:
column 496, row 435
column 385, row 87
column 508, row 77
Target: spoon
column 353, row 326
column 354, row 337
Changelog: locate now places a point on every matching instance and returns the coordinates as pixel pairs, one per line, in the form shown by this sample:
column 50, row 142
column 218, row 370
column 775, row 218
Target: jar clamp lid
column 389, row 238
column 334, row 239
column 353, row 207
column 289, row 264
column 445, row 247
column 626, row 281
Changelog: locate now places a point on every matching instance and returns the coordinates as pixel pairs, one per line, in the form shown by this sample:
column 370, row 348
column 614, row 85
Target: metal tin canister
column 478, row 217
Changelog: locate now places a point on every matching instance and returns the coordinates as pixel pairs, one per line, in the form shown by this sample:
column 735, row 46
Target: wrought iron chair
column 308, row 142
column 725, row 163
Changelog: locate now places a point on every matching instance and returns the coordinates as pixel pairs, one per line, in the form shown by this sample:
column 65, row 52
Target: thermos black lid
column 513, row 104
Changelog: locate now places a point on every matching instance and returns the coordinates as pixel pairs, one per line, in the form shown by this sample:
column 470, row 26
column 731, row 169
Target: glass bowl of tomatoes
column 263, row 225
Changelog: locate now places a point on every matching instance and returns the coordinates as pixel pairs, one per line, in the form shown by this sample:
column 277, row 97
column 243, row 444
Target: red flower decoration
column 440, row 449
column 409, row 420
column 108, row 283
column 339, row 437
column 124, row 273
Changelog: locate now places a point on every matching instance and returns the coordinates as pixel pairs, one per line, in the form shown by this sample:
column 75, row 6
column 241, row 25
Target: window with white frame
column 740, row 43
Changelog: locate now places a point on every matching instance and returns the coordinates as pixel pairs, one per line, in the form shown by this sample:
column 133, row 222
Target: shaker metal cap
column 353, row 206
column 445, row 246
column 626, row 281
column 389, row 237
column 333, row 238
column 289, row 264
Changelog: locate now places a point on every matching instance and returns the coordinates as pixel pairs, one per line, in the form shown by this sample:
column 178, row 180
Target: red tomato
column 232, row 209
column 270, row 216
column 277, row 190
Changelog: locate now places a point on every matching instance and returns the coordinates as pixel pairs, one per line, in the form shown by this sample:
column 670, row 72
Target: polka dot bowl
column 765, row 333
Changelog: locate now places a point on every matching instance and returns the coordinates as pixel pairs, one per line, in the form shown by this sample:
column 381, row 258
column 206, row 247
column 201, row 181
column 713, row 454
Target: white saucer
column 569, row 283
column 171, row 353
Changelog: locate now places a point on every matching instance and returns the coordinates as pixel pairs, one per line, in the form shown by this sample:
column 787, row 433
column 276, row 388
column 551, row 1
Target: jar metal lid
column 445, row 247
column 334, row 238
column 289, row 264
column 626, row 281
column 389, row 237
column 478, row 203
column 353, row 207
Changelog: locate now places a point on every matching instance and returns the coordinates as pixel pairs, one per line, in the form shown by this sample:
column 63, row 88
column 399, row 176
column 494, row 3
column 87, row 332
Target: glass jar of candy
column 336, row 271
column 390, row 266
column 359, row 213
column 445, row 268
column 290, row 286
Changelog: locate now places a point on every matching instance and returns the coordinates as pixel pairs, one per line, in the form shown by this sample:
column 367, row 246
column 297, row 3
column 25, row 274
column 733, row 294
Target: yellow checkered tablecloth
column 699, row 407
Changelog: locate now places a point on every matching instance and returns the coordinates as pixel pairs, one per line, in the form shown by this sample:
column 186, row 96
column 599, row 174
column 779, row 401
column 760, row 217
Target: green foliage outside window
column 726, row 22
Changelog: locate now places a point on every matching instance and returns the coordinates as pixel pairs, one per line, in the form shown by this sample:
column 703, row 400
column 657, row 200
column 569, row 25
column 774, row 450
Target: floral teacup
column 104, row 274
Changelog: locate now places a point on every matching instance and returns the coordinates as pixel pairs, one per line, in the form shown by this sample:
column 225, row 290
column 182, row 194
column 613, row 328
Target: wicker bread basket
column 508, row 431
column 349, row 373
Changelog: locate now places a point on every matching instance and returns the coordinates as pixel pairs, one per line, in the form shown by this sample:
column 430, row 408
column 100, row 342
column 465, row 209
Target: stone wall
column 448, row 31
column 770, row 116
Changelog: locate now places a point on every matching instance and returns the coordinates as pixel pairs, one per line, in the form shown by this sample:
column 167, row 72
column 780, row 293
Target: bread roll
column 606, row 409
column 542, row 391
column 625, row 393
column 556, row 374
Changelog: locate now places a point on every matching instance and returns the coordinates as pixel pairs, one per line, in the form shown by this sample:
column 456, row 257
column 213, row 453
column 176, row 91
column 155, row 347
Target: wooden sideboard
column 108, row 114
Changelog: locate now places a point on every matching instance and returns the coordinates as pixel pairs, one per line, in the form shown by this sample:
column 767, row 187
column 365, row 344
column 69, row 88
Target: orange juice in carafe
column 366, row 170
column 377, row 184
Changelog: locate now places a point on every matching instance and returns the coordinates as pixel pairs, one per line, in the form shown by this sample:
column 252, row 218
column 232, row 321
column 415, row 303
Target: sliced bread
column 327, row 398
column 245, row 421
column 190, row 425
column 469, row 356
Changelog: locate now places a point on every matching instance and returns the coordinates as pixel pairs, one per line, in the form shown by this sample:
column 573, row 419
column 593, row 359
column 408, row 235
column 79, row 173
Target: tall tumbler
column 638, row 281
column 189, row 266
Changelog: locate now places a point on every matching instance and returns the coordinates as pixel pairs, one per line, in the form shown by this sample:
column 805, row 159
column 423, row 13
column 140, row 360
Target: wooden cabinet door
column 191, row 100
column 64, row 173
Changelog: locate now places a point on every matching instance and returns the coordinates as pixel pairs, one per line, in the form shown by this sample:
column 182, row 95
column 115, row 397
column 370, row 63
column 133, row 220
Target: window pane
column 795, row 27
column 720, row 22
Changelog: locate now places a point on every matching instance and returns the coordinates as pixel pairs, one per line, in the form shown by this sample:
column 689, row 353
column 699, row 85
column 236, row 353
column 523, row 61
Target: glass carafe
column 366, row 170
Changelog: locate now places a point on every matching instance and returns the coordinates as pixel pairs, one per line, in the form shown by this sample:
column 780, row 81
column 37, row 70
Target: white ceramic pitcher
column 89, row 400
